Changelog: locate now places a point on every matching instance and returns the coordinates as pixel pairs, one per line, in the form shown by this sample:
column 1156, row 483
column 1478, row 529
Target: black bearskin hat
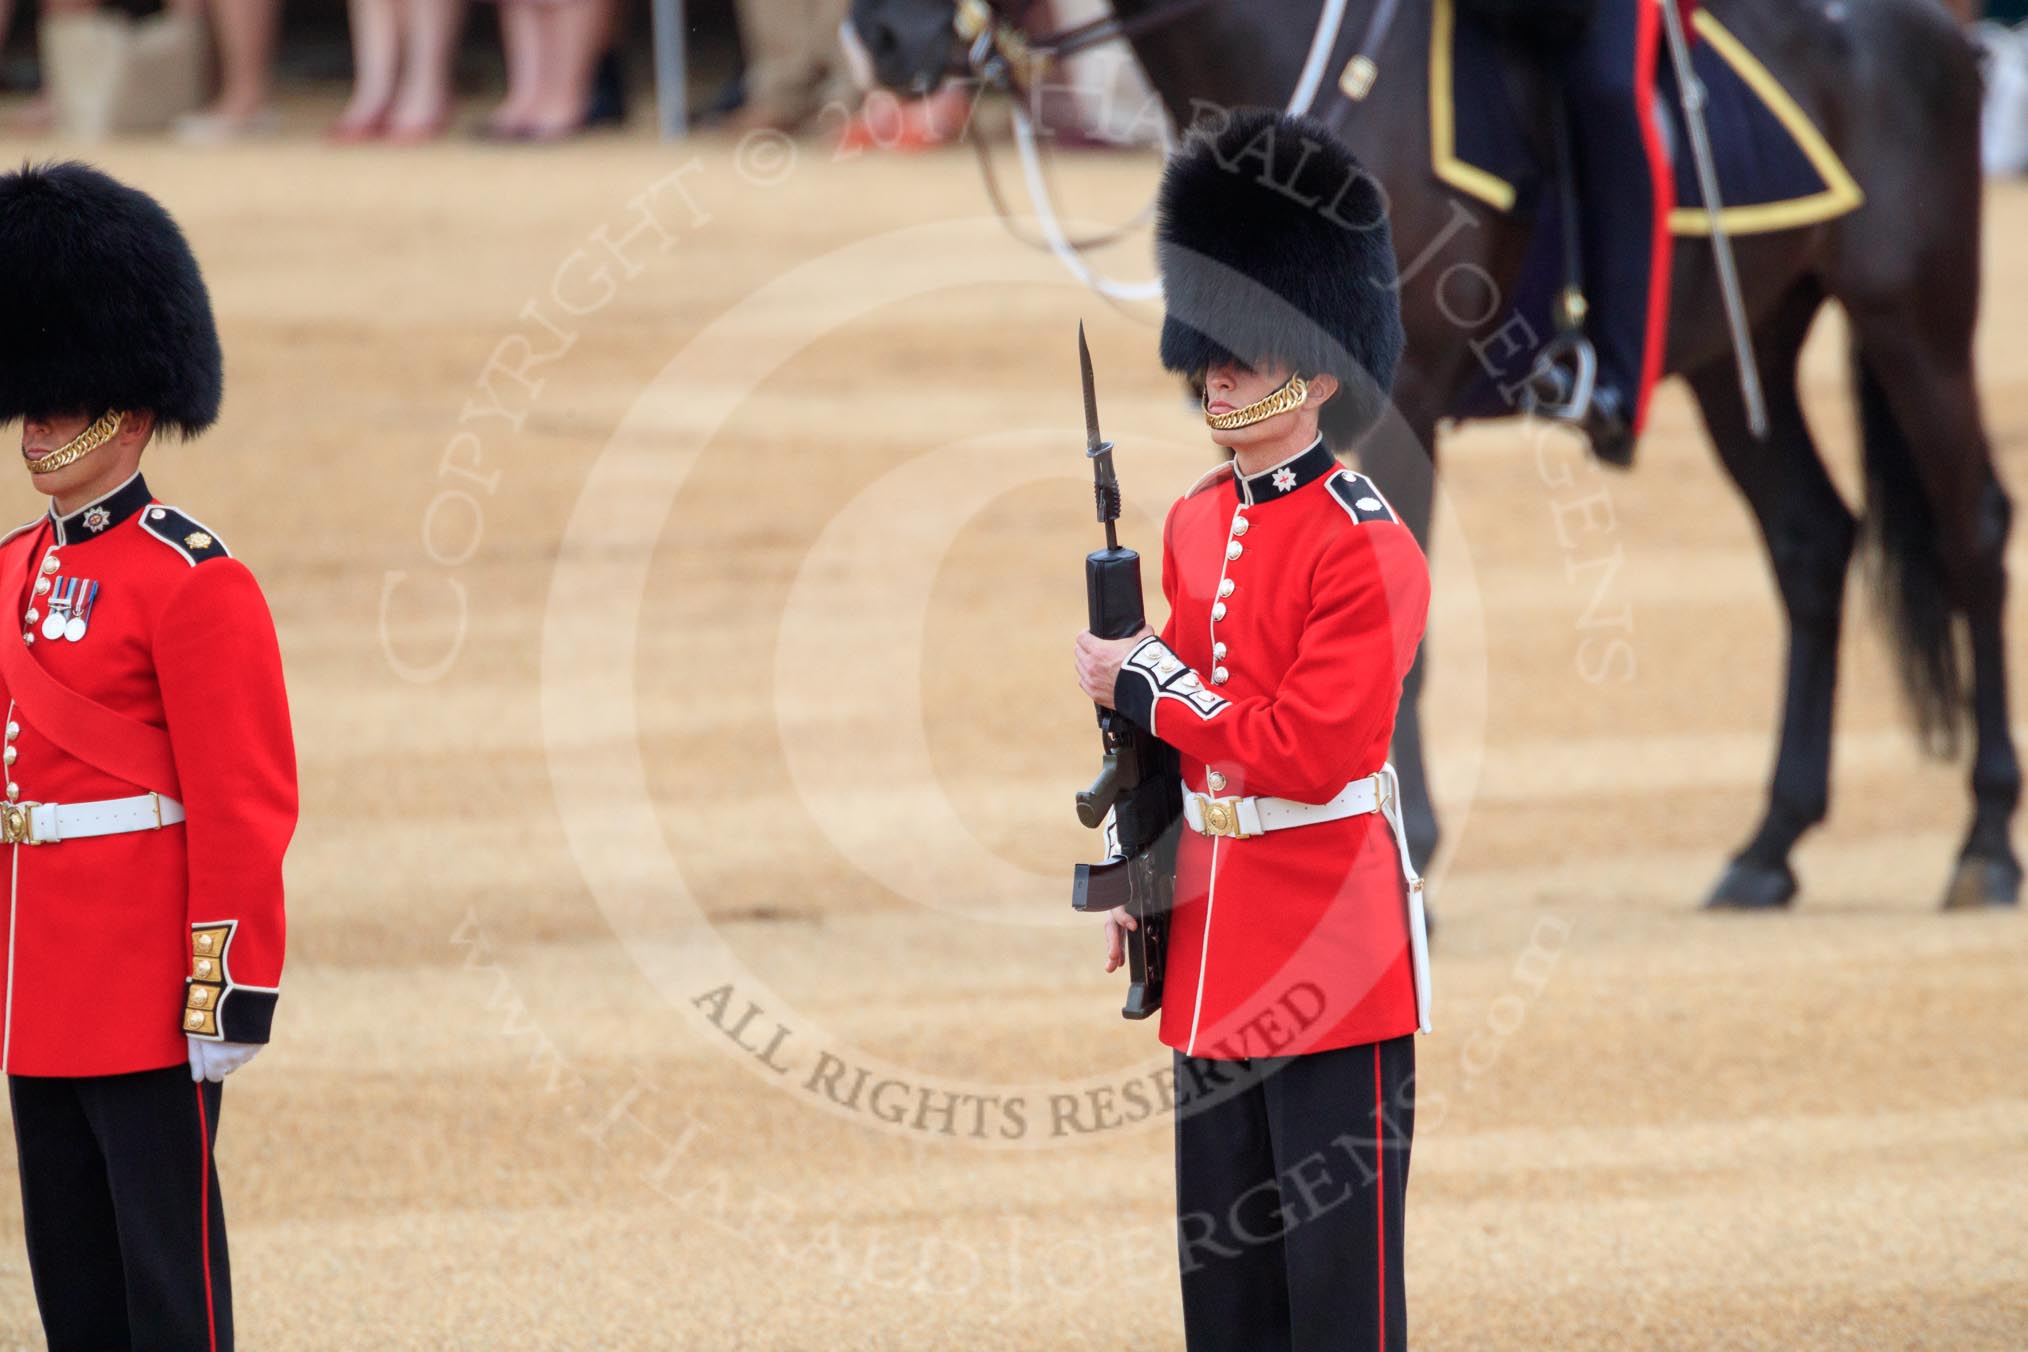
column 105, row 306
column 1274, row 246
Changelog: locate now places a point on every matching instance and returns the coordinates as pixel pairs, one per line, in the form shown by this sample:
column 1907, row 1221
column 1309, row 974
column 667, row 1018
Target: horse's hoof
column 1983, row 880
column 1752, row 887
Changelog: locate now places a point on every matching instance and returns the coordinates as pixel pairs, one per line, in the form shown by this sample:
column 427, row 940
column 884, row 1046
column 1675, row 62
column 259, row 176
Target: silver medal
column 84, row 594
column 53, row 626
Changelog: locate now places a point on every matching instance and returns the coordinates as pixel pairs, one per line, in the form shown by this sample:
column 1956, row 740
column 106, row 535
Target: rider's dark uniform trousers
column 1628, row 192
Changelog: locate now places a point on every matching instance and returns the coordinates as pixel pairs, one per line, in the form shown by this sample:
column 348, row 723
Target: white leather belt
column 1243, row 817
column 48, row 823
column 1240, row 818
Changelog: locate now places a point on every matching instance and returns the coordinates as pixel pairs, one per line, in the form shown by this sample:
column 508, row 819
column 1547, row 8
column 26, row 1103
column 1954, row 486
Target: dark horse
column 1896, row 87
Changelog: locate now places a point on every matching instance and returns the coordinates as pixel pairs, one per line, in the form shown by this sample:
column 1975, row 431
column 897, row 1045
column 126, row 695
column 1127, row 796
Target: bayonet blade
column 1092, row 440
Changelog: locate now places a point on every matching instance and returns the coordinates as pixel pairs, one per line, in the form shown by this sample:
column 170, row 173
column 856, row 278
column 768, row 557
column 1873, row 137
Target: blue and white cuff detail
column 1153, row 673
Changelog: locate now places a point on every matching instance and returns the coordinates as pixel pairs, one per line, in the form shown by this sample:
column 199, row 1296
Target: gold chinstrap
column 102, row 430
column 1293, row 393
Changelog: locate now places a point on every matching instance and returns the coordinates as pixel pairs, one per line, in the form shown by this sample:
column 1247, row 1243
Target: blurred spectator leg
column 422, row 106
column 2003, row 139
column 39, row 113
column 376, row 67
column 785, row 42
column 573, row 34
column 245, row 32
column 521, row 37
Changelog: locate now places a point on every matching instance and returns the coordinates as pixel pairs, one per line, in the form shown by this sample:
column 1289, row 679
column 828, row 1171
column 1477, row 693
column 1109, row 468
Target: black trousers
column 1291, row 1175
column 126, row 1237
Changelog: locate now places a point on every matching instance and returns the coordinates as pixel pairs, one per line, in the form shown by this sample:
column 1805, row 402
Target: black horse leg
column 1927, row 386
column 1400, row 456
column 1809, row 534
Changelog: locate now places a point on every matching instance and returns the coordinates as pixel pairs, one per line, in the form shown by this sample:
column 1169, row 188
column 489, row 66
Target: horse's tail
column 1906, row 571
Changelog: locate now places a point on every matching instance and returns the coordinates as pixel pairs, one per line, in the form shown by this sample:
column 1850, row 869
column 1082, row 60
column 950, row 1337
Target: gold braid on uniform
column 1291, row 395
column 102, row 430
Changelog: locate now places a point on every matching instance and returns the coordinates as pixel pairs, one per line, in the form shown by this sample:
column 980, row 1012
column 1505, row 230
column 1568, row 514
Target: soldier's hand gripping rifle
column 1139, row 783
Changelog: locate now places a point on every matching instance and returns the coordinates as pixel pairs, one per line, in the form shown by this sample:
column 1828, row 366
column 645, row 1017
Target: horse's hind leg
column 1943, row 522
column 1809, row 534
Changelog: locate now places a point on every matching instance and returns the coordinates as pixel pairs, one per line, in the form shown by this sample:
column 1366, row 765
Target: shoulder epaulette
column 181, row 533
column 1210, row 477
column 1360, row 499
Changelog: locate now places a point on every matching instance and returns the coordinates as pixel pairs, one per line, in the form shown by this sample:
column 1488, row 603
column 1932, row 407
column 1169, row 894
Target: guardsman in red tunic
column 1296, row 974
column 150, row 777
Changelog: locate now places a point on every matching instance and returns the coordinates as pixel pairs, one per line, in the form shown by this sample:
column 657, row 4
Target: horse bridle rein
column 1000, row 54
column 997, row 42
column 999, row 50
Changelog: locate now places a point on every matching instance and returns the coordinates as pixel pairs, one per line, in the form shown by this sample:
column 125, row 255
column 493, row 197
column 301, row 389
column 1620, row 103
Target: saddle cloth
column 1776, row 171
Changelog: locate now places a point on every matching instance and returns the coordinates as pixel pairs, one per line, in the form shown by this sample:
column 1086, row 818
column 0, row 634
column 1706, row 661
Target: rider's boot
column 1566, row 385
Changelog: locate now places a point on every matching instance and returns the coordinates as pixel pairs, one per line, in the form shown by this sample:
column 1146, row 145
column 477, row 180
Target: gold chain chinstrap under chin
column 103, row 429
column 1291, row 395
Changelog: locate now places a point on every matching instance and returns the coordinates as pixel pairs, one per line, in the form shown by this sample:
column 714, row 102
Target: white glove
column 216, row 1060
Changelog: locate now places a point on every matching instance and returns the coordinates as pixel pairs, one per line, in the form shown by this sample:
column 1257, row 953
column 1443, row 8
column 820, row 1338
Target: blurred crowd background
column 411, row 71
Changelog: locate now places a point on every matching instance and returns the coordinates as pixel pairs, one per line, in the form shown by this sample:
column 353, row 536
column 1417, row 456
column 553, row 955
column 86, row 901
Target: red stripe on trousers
column 1647, row 49
column 1380, row 1192
column 204, row 1212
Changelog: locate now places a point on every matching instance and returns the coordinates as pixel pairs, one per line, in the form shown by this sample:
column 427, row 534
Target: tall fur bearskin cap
column 1274, row 246
column 105, row 307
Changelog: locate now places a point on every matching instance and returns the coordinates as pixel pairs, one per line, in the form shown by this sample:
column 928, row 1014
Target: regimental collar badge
column 95, row 519
column 1314, row 463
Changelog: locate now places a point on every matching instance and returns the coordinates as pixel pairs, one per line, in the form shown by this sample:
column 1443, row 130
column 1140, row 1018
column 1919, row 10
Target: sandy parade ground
column 676, row 552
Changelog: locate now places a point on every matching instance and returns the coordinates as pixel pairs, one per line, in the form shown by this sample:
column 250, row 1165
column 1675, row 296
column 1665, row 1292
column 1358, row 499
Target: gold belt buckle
column 1221, row 818
column 17, row 825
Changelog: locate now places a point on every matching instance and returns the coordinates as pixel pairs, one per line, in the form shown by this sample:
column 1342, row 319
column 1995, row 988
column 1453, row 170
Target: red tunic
column 1297, row 599
column 118, row 946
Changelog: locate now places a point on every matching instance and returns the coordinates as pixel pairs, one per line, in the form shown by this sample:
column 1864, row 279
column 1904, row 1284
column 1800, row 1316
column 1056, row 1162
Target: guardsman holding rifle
column 150, row 777
column 1295, row 973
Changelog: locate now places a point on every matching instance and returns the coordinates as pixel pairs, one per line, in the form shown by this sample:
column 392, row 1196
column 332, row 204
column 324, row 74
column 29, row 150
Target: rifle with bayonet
column 1139, row 783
